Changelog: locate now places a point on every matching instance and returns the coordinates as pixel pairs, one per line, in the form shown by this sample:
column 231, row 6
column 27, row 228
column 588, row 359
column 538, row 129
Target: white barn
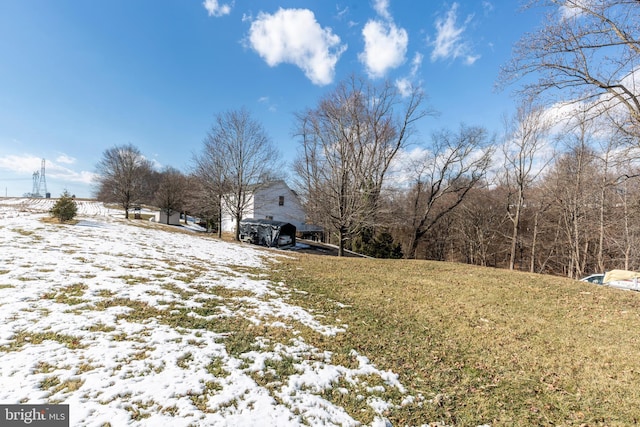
column 273, row 201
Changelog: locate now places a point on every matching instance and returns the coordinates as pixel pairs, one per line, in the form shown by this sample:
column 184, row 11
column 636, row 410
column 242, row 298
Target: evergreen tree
column 65, row 208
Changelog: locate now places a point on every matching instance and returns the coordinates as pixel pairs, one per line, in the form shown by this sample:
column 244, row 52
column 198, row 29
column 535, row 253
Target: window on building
column 281, row 201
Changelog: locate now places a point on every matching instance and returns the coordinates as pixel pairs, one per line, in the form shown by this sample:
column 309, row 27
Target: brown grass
column 482, row 345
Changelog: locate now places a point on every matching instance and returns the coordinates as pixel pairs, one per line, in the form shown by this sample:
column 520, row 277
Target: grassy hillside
column 480, row 345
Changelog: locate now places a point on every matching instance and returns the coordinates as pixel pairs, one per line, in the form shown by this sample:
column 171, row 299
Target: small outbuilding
column 268, row 232
column 173, row 219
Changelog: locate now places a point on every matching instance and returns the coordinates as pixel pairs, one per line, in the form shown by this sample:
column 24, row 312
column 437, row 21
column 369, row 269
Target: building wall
column 174, row 219
column 265, row 204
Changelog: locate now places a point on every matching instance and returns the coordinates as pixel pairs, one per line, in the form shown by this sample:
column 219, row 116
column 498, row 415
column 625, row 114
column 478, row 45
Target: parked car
column 622, row 279
column 594, row 278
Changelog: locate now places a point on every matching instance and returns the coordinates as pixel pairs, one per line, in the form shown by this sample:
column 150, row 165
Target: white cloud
column 28, row 164
column 450, row 42
column 385, row 44
column 382, row 8
column 217, row 9
column 20, row 164
column 573, row 8
column 385, row 47
column 487, row 7
column 405, row 84
column 63, row 158
column 416, row 63
column 402, row 172
column 342, row 12
column 266, row 101
column 294, row 36
column 68, row 175
column 471, row 59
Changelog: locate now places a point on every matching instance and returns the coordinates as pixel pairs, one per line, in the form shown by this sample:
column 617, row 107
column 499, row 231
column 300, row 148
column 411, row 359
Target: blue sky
column 78, row 77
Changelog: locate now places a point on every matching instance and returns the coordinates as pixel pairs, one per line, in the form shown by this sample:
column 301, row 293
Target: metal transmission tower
column 40, row 183
column 36, row 184
column 42, row 187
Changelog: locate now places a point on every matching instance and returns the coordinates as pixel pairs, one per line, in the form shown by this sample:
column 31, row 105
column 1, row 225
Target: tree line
column 555, row 193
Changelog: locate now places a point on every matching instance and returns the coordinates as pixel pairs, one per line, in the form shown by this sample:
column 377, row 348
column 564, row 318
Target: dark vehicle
column 267, row 232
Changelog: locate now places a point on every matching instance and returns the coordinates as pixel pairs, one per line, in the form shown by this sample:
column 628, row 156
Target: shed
column 173, row 219
column 267, row 232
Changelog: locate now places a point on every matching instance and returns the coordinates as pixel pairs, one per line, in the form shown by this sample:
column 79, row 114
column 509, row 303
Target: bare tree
column 237, row 157
column 204, row 202
column 574, row 184
column 456, row 163
column 347, row 145
column 480, row 226
column 123, row 177
column 172, row 191
column 209, row 169
column 524, row 161
column 585, row 51
column 624, row 239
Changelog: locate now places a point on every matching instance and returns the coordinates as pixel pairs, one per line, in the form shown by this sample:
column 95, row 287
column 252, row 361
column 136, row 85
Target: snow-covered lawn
column 136, row 325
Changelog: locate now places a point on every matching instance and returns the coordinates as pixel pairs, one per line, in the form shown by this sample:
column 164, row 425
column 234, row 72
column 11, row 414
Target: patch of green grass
column 85, row 367
column 229, row 293
column 276, row 372
column 239, row 341
column 49, row 382
column 138, row 355
column 240, row 333
column 69, row 295
column 75, row 290
column 255, row 272
column 349, row 396
column 139, row 410
column 44, row 368
column 105, row 293
column 134, row 280
column 23, row 338
column 481, row 345
column 101, row 327
column 54, row 385
column 216, row 368
column 120, row 337
column 54, row 220
column 170, row 410
column 200, row 399
column 2, row 286
column 69, row 386
column 188, row 278
column 185, row 360
column 184, row 294
column 23, row 232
